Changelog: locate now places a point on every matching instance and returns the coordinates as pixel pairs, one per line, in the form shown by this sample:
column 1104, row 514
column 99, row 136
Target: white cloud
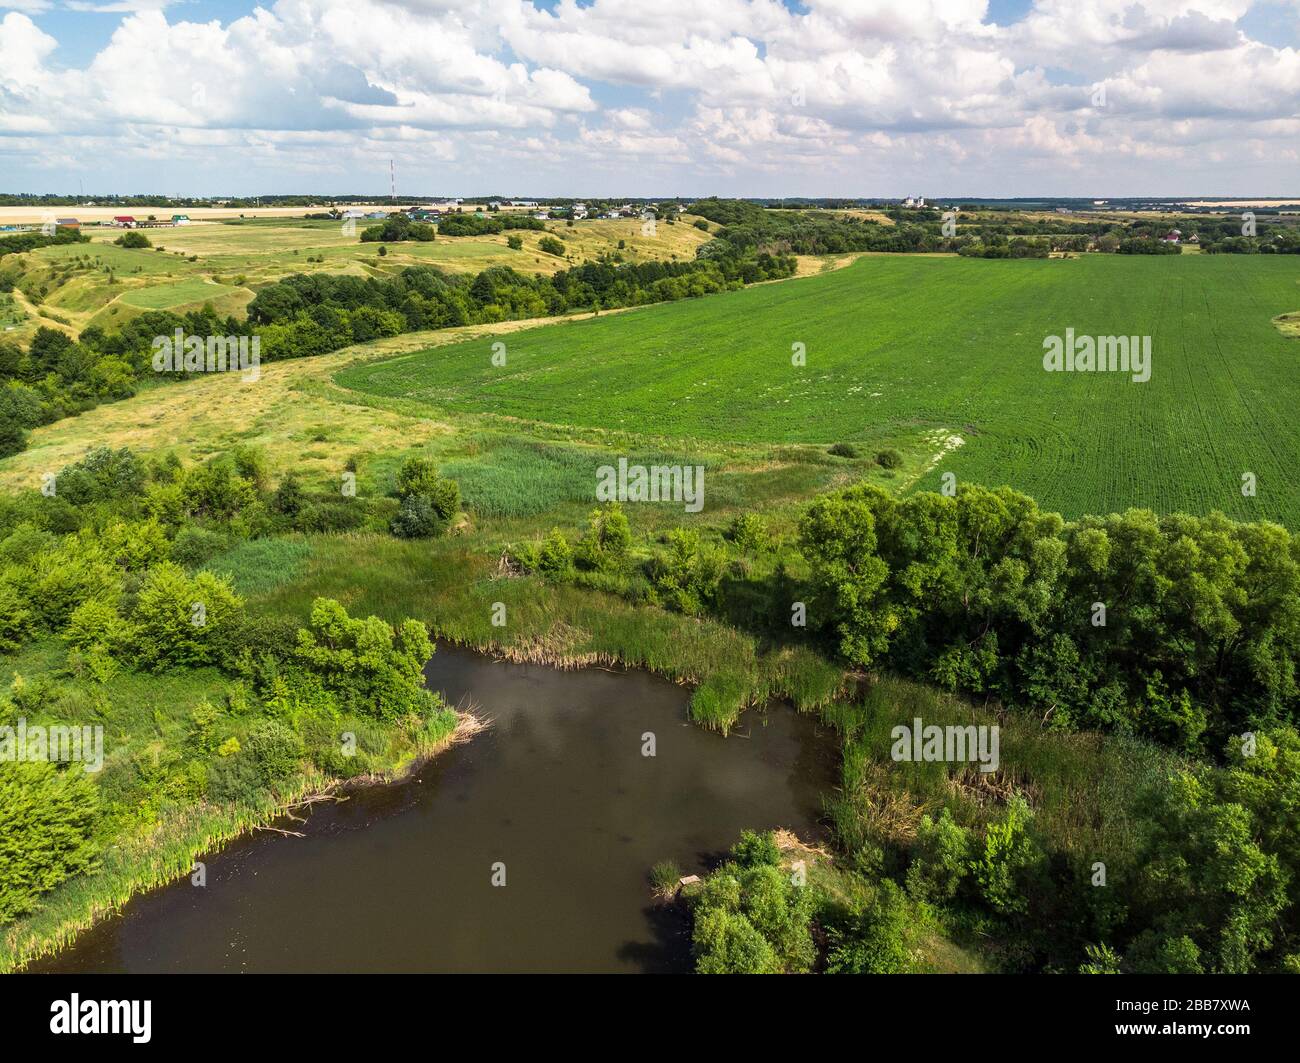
column 838, row 89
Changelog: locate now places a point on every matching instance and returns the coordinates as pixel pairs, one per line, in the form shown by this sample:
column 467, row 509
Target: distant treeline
column 30, row 241
column 748, row 225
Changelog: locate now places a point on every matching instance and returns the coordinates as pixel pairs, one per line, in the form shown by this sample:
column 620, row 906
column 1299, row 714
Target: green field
column 918, row 346
column 181, row 293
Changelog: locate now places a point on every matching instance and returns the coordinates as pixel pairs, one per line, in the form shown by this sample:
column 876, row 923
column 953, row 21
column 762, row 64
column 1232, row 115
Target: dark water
column 398, row 878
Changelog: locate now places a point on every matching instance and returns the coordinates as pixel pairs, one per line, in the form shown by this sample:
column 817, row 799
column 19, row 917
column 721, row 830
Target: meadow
column 909, row 347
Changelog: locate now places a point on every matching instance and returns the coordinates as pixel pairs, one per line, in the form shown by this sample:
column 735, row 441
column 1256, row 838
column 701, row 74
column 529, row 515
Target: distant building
column 580, row 210
column 523, row 203
column 354, row 214
column 67, row 223
column 379, row 215
column 180, row 219
column 125, row 221
column 542, row 215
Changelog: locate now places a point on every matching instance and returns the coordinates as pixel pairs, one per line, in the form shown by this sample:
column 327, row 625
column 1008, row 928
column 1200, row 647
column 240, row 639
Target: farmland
column 908, row 346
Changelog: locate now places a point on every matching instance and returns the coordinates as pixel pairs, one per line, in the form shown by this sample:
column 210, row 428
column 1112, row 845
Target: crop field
column 945, row 349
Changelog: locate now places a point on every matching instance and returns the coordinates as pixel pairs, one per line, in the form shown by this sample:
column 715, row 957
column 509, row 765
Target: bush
column 939, row 859
column 183, row 621
column 46, row 831
column 551, row 246
column 843, row 450
column 552, row 557
column 687, row 577
column 605, row 545
column 193, row 546
column 289, row 497
column 425, row 516
column 133, row 239
column 752, row 918
column 889, row 459
column 515, row 243
column 755, row 849
column 749, row 532
column 373, row 669
column 13, row 440
column 274, row 748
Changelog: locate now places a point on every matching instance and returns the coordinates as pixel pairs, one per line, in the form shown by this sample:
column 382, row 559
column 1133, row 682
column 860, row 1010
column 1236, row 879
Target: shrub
column 289, row 497
column 889, row 459
column 419, row 518
column 755, row 849
column 181, row 620
column 102, row 475
column 608, row 538
column 374, row 669
column 46, row 832
column 551, row 246
column 749, row 532
column 133, row 239
column 193, row 546
column 687, row 577
column 13, row 440
column 274, row 748
column 17, row 622
column 843, row 450
column 939, row 859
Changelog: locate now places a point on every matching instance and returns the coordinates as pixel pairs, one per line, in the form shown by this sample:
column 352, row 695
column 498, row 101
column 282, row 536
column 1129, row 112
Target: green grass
column 258, row 566
column 166, row 296
column 917, row 345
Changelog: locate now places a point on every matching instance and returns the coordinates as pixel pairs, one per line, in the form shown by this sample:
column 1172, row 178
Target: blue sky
column 737, row 97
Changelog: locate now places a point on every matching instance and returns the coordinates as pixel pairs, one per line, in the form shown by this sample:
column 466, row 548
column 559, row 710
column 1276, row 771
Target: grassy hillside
column 904, row 345
column 76, row 285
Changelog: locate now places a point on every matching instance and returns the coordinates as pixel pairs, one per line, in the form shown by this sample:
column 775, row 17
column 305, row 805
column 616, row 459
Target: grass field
column 908, row 345
column 181, row 293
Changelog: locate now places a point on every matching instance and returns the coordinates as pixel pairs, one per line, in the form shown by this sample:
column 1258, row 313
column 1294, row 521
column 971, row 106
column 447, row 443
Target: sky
column 587, row 98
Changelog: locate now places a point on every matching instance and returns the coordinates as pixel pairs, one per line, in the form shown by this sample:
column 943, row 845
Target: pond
column 401, row 878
